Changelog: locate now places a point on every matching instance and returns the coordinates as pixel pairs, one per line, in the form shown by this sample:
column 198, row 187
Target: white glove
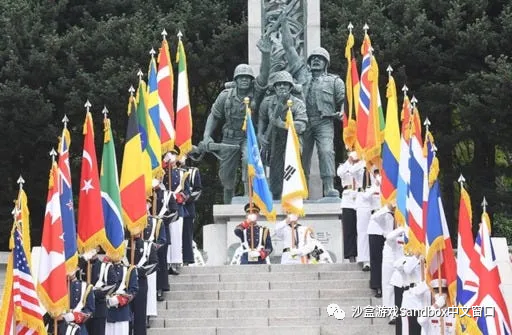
column 112, row 301
column 440, row 300
column 167, row 157
column 295, row 252
column 69, row 317
column 254, row 254
column 89, row 254
column 399, row 264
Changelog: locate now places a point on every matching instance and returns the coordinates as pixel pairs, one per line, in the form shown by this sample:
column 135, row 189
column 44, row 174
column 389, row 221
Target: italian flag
column 183, row 113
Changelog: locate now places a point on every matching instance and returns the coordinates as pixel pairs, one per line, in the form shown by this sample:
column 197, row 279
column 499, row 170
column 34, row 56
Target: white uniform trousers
column 151, row 304
column 175, row 251
column 286, row 258
column 117, row 328
column 388, row 290
column 363, row 246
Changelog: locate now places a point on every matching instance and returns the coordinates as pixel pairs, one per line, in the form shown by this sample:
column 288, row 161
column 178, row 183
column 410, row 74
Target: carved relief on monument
column 274, row 11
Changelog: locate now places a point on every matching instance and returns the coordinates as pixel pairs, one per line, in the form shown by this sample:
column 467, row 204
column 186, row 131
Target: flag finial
column 484, row 204
column 105, row 111
column 289, row 103
column 461, row 180
column 152, row 52
column 53, row 153
column 350, row 27
column 365, row 28
column 179, row 34
column 20, row 181
column 140, row 74
column 164, row 34
column 405, row 89
column 434, row 148
column 426, row 123
column 65, row 120
column 131, row 90
column 389, row 69
column 414, row 101
column 246, row 101
column 87, row 105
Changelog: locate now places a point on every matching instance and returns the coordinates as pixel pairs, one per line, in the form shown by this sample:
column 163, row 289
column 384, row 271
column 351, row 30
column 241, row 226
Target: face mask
column 292, row 217
column 183, row 160
column 379, row 178
column 252, row 217
column 172, row 158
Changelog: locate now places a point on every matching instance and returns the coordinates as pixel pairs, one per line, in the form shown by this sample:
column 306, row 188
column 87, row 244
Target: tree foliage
column 56, row 54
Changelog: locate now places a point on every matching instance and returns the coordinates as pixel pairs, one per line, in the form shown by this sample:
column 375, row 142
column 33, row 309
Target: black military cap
column 255, row 209
column 175, row 150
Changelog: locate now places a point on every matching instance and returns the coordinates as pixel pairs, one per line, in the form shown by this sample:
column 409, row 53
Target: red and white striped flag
column 28, row 313
column 165, row 78
column 52, row 286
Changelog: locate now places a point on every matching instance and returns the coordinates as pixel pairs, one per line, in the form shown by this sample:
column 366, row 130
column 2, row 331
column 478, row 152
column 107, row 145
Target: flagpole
column 249, row 179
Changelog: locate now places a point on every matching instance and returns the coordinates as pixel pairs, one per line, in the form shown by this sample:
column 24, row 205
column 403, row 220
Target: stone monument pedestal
column 322, row 216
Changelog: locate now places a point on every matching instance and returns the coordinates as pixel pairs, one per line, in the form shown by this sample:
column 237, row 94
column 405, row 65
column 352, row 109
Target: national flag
column 391, row 147
column 468, row 262
column 143, row 119
column 415, row 196
column 364, row 106
column 402, row 187
column 294, row 183
column 66, row 203
column 154, row 119
column 165, row 79
column 22, row 217
column 28, row 313
column 352, row 86
column 183, row 112
column 440, row 260
column 133, row 195
column 53, row 288
column 490, row 290
column 261, row 195
column 111, row 198
column 7, row 325
column 91, row 227
column 375, row 123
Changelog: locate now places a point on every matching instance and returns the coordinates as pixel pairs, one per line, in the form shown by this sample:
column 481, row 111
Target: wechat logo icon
column 336, row 311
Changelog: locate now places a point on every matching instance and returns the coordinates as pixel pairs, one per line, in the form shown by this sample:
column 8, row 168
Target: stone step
column 269, row 285
column 264, row 303
column 239, row 312
column 294, row 330
column 268, row 276
column 271, row 268
column 259, row 294
column 250, row 320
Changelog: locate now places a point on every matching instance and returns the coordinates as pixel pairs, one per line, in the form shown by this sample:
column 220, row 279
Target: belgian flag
column 133, row 195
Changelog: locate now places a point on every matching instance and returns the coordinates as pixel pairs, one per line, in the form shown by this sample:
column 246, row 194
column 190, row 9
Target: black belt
column 286, row 250
column 409, row 287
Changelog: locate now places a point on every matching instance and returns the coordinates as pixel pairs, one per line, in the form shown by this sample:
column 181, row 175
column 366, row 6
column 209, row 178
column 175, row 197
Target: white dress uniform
column 365, row 204
column 393, row 250
column 436, row 325
column 292, row 254
column 415, row 296
column 351, row 175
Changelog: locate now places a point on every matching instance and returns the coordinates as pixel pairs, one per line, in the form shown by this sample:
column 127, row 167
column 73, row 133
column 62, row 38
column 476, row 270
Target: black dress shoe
column 352, row 259
column 173, row 272
column 378, row 293
column 392, row 322
column 159, row 295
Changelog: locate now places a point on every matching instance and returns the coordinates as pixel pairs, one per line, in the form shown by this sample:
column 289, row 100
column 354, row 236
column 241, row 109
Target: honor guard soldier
column 155, row 233
column 177, row 193
column 189, row 209
column 293, row 235
column 414, row 297
column 435, row 324
column 256, row 240
column 145, row 260
column 119, row 313
column 351, row 175
column 392, row 290
column 381, row 223
column 81, row 303
column 103, row 279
